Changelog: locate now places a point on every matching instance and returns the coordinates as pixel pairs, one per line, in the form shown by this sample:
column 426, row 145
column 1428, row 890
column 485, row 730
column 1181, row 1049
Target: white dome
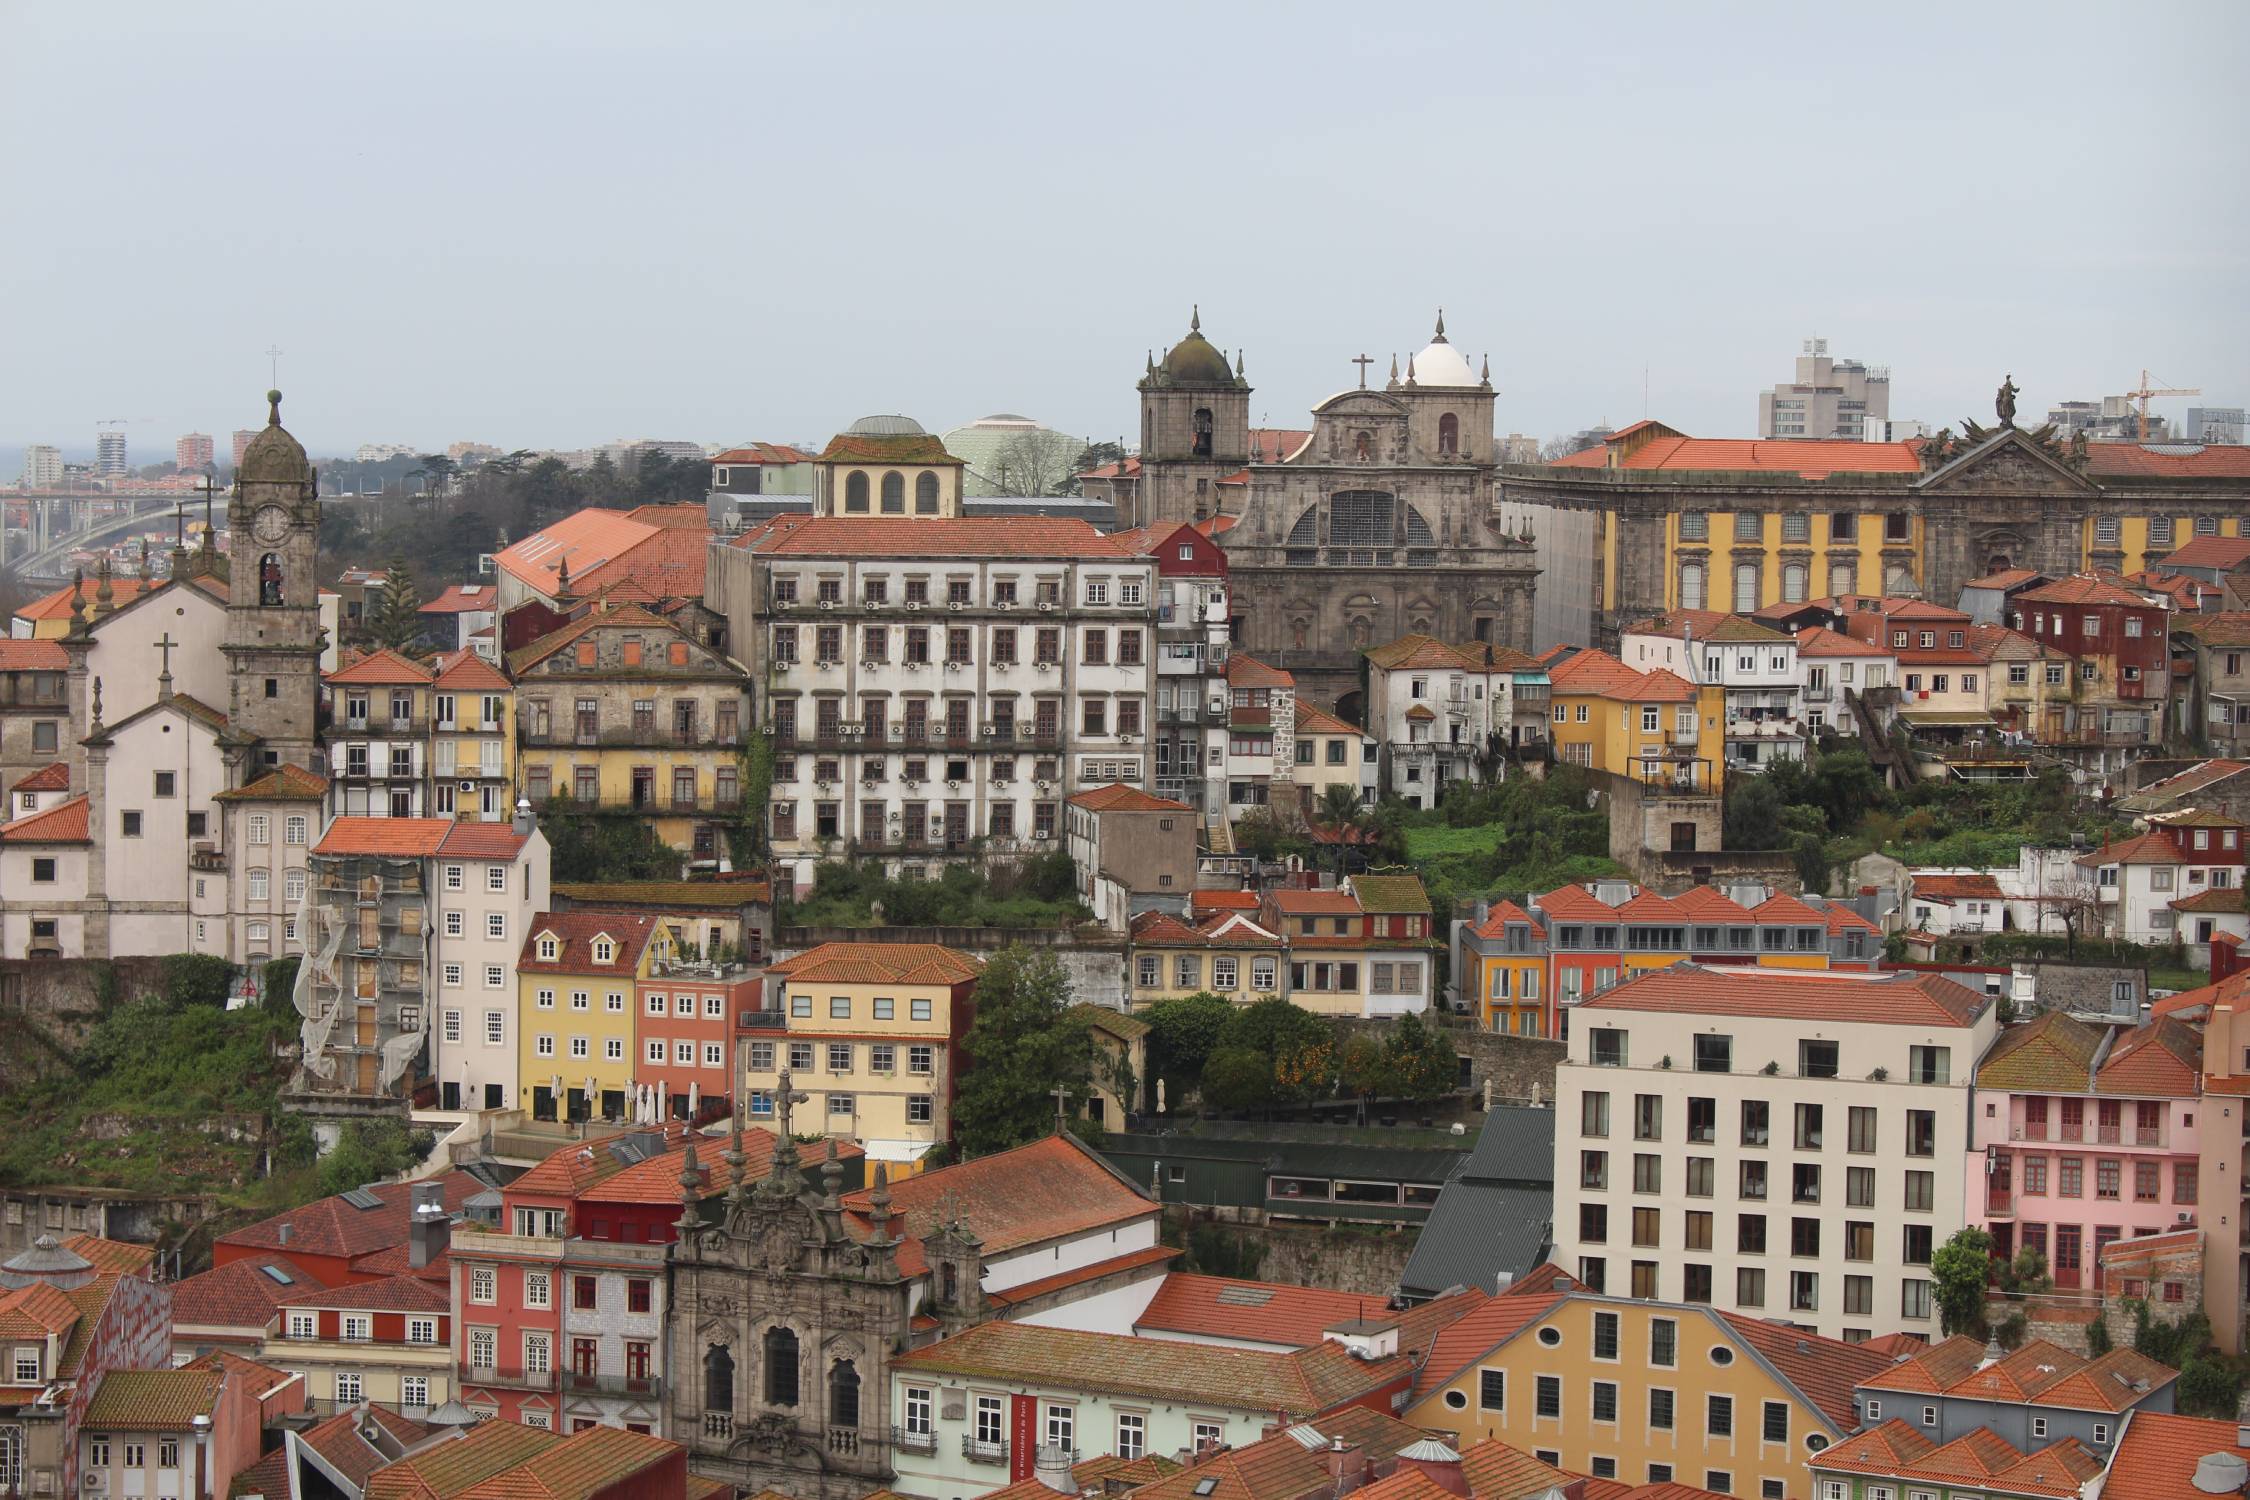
column 1442, row 364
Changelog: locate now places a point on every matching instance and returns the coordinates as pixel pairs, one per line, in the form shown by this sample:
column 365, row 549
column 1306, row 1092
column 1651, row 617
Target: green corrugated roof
column 1392, row 895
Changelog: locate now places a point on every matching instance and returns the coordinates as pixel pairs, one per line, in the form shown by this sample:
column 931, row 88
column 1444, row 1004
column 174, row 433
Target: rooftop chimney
column 1438, row 1463
column 429, row 1230
column 1347, row 1464
column 525, row 822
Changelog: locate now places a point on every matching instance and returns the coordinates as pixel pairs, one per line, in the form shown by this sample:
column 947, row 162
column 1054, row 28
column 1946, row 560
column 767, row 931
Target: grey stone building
column 1380, row 522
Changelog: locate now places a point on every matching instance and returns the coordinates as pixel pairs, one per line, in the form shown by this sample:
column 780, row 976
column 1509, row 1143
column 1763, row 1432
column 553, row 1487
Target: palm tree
column 1340, row 811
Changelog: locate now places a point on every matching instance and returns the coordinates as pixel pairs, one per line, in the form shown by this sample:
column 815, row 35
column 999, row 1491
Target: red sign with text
column 1023, row 1436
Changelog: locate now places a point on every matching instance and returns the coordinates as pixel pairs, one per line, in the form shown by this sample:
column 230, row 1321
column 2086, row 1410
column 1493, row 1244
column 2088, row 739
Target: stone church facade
column 1379, row 522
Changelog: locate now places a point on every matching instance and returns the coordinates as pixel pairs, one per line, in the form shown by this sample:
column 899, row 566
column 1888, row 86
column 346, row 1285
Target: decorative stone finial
column 1410, row 370
column 831, row 1178
column 691, row 1185
column 78, row 601
column 1238, row 364
column 105, row 597
column 1484, row 376
column 879, row 1205
column 1440, row 327
column 97, row 711
column 1195, row 318
column 144, row 560
column 273, row 411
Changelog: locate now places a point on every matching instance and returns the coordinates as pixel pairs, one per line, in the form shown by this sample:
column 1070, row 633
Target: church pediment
column 1349, row 404
column 2008, row 461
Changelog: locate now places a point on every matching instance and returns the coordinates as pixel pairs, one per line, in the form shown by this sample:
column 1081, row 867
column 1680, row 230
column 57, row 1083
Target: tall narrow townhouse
column 376, row 735
column 472, row 740
column 492, row 879
column 577, row 973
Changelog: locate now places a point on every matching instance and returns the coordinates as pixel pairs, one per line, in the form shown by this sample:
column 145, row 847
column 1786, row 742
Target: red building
column 361, row 1235
column 2121, row 643
column 689, row 1016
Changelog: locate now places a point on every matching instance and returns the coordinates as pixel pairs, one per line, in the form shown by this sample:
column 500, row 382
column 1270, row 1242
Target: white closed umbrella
column 557, row 1091
column 694, row 1097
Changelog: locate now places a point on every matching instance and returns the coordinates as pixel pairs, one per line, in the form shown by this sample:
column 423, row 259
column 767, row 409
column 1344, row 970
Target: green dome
column 1193, row 361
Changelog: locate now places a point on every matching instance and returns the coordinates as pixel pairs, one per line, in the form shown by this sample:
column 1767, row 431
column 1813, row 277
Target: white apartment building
column 1435, row 711
column 936, row 687
column 42, row 467
column 1834, row 665
column 1830, row 398
column 1784, row 1144
column 490, row 881
column 1756, row 667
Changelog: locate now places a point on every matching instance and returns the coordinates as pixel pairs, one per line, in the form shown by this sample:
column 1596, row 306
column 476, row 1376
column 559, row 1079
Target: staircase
column 1218, row 835
column 1875, row 741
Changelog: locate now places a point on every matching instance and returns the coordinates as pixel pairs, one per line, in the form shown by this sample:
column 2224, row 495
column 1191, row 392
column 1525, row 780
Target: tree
column 1238, row 1078
column 1183, row 1033
column 397, row 622
column 1576, row 442
column 1021, row 1046
column 1753, row 818
column 1033, row 462
column 2207, row 1389
column 1960, row 1267
column 1092, row 456
column 1276, row 1028
column 1421, row 1062
column 438, row 470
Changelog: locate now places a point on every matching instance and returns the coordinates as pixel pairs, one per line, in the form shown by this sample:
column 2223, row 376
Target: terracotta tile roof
column 2217, row 461
column 2157, row 1452
column 2224, row 628
column 1495, row 924
column 967, row 536
column 52, row 777
column 1267, row 1312
column 398, row 838
column 35, row 1311
column 698, row 895
column 1047, row 1190
column 56, row 606
column 1095, row 1476
column 2162, row 1059
column 118, row 1257
column 1293, row 903
column 1897, row 998
column 879, row 963
column 1665, row 448
column 763, row 453
column 257, row 1376
column 92, row 1301
column 391, row 1294
column 380, row 668
column 575, row 932
column 2006, row 578
column 464, row 671
column 1246, row 671
column 2223, row 900
column 1980, row 887
column 33, row 656
column 1485, row 1328
column 269, row 1476
column 2118, row 1381
column 580, row 1466
column 2195, row 778
column 2142, row 849
column 239, row 1294
column 1282, row 1467
column 2083, row 588
column 64, row 823
column 628, row 616
column 497, row 841
column 1210, row 901
column 1419, row 651
column 1572, row 903
column 1782, row 908
column 333, row 1227
column 1711, row 625
column 153, row 1400
column 446, row 1470
column 1704, row 903
column 1645, row 905
column 1300, row 1383
column 1825, row 1371
column 1391, row 895
column 336, row 1439
column 1842, row 918
column 1119, row 797
column 1601, row 675
column 284, row 783
column 1116, row 1265
column 1883, row 1450
column 463, row 599
column 1819, row 640
column 1270, row 445
column 1931, row 1371
column 583, row 541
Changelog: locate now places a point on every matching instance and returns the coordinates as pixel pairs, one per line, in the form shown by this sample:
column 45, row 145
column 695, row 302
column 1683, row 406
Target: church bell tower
column 273, row 596
column 1195, row 430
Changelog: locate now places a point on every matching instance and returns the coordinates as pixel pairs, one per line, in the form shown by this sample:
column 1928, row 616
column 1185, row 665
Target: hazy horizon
column 560, row 225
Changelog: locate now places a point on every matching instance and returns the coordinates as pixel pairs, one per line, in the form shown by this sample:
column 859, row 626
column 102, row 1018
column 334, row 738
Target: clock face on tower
column 270, row 524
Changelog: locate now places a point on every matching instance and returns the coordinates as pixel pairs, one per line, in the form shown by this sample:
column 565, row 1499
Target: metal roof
column 1475, row 1231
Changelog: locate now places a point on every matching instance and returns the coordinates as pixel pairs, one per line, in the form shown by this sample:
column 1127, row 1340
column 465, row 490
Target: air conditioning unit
column 827, row 604
column 1044, row 786
column 1003, row 604
column 1126, row 739
column 96, row 1479
column 954, row 666
column 952, row 785
column 1045, row 605
column 823, row 785
column 1046, row 666
column 1001, row 786
column 468, row 786
column 914, row 605
column 953, row 605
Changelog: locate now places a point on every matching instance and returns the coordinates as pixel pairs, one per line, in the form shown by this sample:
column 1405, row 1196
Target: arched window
column 926, row 494
column 855, row 492
column 1691, row 585
column 1448, row 435
column 269, row 579
column 1363, row 446
column 718, row 1378
column 1843, row 578
column 1792, row 583
column 950, row 1280
column 1202, row 448
column 781, row 1367
column 1304, row 539
column 1361, row 518
column 894, row 494
column 843, row 1394
column 1745, row 587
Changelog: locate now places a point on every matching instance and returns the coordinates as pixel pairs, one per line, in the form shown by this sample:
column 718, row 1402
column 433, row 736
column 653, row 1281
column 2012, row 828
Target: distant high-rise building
column 375, row 453
column 193, row 451
column 2113, row 419
column 2213, row 424
column 1515, row 448
column 109, row 453
column 1830, row 398
column 42, row 467
column 1894, row 429
column 242, row 439
column 468, row 455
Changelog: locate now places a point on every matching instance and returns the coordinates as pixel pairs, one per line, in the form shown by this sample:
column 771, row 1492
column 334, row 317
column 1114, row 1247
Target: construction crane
column 2146, row 390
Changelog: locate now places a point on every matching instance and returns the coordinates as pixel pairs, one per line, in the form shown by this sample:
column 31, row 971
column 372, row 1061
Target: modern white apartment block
column 1785, row 1144
column 935, row 688
column 488, row 882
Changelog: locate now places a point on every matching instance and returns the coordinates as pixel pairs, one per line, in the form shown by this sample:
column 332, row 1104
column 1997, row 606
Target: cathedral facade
column 1377, row 522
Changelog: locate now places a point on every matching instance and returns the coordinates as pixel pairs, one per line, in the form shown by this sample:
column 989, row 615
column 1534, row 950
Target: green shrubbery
column 1040, row 891
column 1274, row 1052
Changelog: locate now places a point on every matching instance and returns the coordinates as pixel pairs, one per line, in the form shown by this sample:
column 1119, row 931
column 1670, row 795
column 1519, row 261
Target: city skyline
column 426, row 283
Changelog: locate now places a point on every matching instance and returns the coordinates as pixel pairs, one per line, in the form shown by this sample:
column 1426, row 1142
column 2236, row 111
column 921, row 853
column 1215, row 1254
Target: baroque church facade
column 1379, row 521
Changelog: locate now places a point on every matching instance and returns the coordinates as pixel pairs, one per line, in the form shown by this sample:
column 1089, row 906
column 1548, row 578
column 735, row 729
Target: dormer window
column 605, row 951
column 549, row 949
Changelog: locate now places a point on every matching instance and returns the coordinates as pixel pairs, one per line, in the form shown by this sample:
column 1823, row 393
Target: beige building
column 1330, row 753
column 1127, row 844
column 1780, row 1143
column 246, row 887
column 491, row 882
column 1120, row 1064
column 867, row 1036
column 382, row 1341
column 1830, row 398
column 886, row 466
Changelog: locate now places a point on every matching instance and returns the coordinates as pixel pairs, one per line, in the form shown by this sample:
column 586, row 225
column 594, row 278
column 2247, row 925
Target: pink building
column 2088, row 1136
column 193, row 452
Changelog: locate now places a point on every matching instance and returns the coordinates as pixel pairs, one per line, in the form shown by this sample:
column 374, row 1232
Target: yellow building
column 1224, row 953
column 1647, row 1392
column 1653, row 726
column 472, row 740
column 385, row 1341
column 1505, row 956
column 886, row 466
column 1330, row 753
column 869, row 1036
column 575, row 1009
column 1120, row 1063
column 622, row 712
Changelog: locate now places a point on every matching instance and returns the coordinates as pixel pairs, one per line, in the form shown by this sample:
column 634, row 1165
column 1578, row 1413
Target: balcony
column 586, row 1382
column 978, row 1451
column 761, row 1020
column 641, row 737
column 1999, row 1203
column 514, row 1377
column 846, row 739
column 903, row 1441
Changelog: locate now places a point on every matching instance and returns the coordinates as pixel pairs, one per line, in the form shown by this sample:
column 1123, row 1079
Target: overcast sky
column 554, row 224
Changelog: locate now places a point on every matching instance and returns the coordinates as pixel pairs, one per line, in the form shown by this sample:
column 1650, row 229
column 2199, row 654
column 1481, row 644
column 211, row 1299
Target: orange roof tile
column 1281, row 1467
column 2083, row 588
column 119, row 1257
column 1897, row 998
column 967, row 536
column 2142, row 849
column 153, row 1400
column 1131, row 1260
column 1704, row 903
column 2162, row 1059
column 1118, row 797
column 630, row 616
column 398, row 838
column 879, row 963
column 1247, row 671
column 1318, row 903
column 1819, row 640
column 284, row 783
column 51, row 777
column 444, row 1471
column 2157, row 1453
column 466, row 672
column 36, row 1311
column 383, row 667
column 64, row 823
column 1978, row 887
column 1811, row 458
column 575, row 932
column 1495, row 924
column 1824, row 1370
column 1046, row 1190
column 239, row 1294
column 496, row 841
column 333, row 1227
column 1205, row 901
column 1312, row 720
column 582, row 541
column 1265, row 1312
column 55, row 606
column 763, row 453
column 2223, row 553
column 1486, row 1327
column 411, row 1294
column 2171, row 461
column 1781, row 907
column 33, row 656
column 462, row 599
